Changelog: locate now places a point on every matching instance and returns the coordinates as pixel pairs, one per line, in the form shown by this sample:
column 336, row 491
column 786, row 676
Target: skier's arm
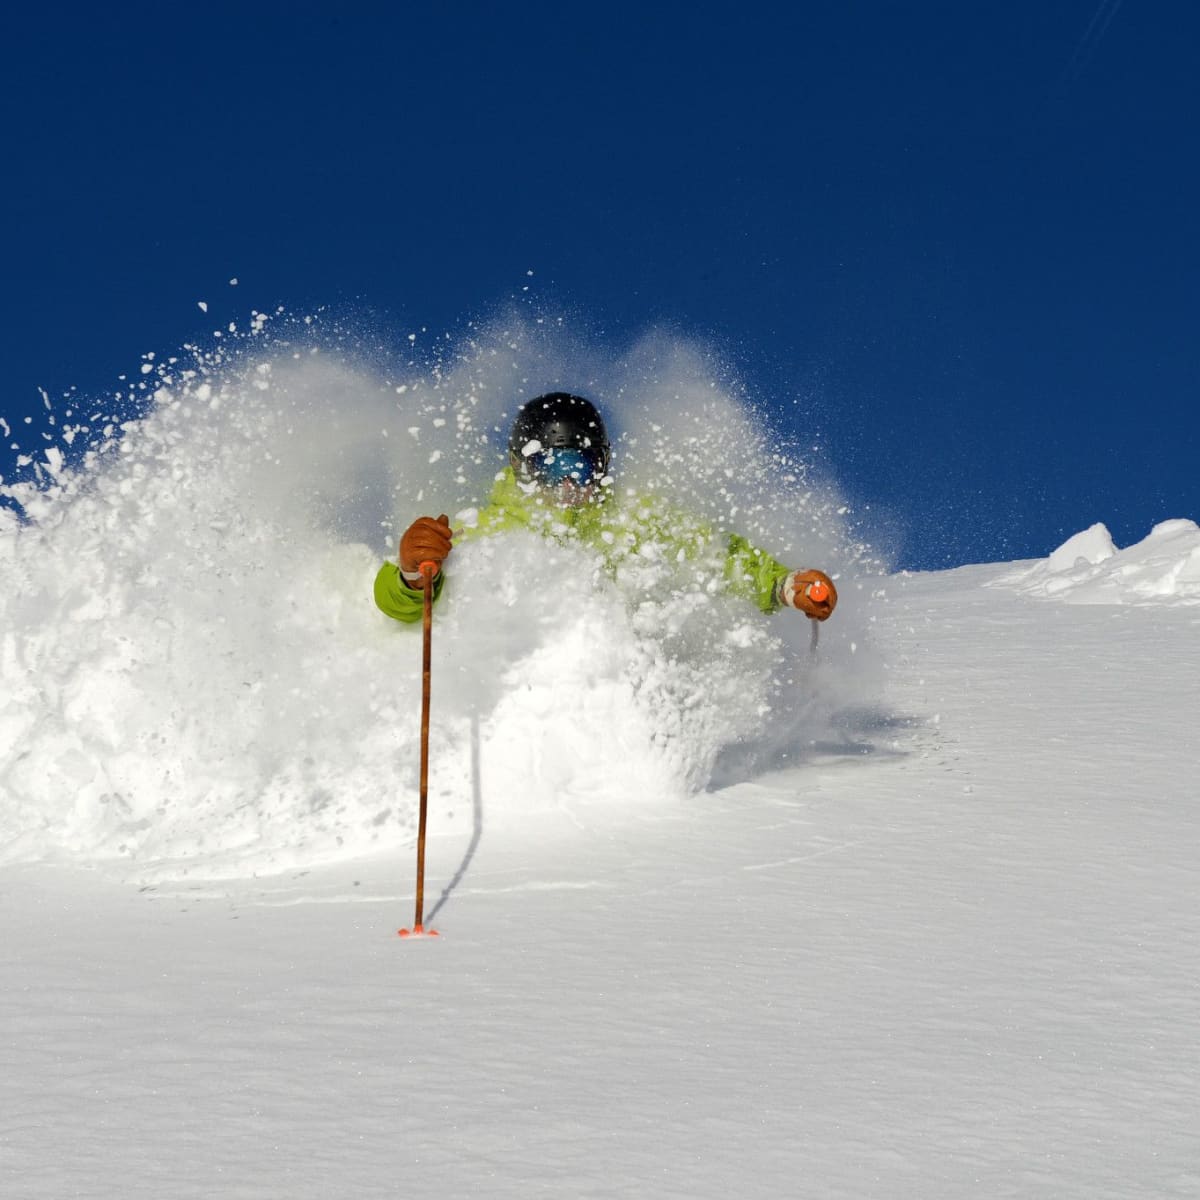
column 394, row 597
column 753, row 573
column 399, row 589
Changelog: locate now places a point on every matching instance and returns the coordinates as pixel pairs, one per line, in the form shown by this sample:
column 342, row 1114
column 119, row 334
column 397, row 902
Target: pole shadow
column 476, row 826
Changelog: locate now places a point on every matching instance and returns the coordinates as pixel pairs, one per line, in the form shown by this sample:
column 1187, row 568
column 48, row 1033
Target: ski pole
column 816, row 591
column 428, row 571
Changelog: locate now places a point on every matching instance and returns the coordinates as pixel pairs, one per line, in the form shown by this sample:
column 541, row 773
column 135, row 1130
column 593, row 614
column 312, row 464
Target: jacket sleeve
column 753, row 573
column 394, row 597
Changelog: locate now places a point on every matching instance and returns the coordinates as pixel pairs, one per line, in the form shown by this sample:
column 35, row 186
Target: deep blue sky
column 965, row 236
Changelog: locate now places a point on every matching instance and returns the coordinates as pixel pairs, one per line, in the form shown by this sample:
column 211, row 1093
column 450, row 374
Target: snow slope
column 918, row 920
column 953, row 954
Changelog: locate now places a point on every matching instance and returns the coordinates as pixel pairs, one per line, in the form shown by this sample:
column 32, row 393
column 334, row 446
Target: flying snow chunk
column 202, row 305
column 530, row 448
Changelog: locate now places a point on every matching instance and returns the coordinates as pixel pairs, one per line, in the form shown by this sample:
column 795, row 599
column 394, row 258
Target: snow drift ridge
column 1089, row 569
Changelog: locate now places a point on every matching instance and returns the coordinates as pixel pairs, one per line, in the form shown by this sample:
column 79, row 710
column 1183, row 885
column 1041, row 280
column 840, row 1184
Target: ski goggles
column 557, row 466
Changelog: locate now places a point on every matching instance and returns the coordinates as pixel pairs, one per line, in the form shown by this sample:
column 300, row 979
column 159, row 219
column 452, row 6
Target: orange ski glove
column 425, row 540
column 812, row 592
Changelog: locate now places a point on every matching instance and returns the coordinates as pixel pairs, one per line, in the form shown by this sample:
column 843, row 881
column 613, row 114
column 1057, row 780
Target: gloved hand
column 425, row 540
column 812, row 592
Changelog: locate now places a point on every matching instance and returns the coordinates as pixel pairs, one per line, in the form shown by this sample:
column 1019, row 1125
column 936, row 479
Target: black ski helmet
column 559, row 421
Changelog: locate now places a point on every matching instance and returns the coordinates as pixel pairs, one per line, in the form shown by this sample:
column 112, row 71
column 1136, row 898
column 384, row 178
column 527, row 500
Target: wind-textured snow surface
column 952, row 954
column 195, row 680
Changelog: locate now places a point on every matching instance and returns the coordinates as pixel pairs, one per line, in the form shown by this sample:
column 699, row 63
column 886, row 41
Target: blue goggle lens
column 552, row 467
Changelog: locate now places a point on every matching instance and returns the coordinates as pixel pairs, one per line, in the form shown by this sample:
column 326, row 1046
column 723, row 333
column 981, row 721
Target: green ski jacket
column 616, row 527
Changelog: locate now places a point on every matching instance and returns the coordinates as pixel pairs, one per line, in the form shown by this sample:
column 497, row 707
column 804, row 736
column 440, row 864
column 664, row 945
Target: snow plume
column 195, row 679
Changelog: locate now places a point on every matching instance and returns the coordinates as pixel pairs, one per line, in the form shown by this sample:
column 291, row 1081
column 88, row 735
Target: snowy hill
column 1089, row 569
column 954, row 954
column 912, row 917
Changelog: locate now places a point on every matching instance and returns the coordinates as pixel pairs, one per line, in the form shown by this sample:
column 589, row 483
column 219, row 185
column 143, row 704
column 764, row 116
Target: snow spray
column 195, row 680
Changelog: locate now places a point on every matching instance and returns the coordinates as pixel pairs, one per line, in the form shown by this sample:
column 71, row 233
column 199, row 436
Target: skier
column 558, row 483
